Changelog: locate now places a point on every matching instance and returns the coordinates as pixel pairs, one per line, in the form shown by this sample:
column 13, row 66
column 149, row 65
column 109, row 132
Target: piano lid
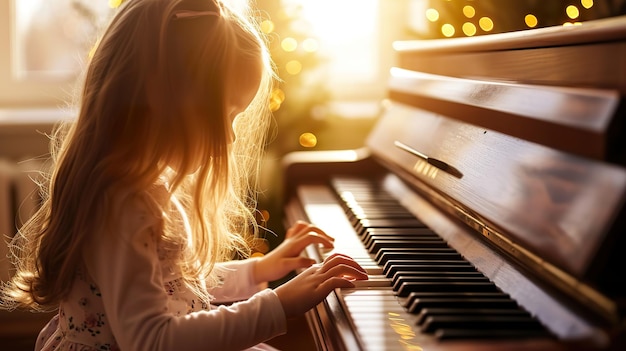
column 523, row 163
column 589, row 55
column 558, row 117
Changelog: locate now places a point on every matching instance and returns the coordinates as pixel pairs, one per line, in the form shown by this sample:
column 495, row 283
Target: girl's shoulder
column 142, row 209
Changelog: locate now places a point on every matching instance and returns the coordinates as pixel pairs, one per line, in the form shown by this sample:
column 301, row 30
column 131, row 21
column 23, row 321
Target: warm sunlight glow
column 310, row 45
column 531, row 21
column 347, row 35
column 115, row 3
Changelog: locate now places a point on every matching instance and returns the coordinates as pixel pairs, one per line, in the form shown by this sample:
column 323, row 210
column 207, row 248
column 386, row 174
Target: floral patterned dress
column 129, row 296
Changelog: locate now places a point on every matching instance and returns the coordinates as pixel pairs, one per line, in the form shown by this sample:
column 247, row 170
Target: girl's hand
column 313, row 285
column 286, row 257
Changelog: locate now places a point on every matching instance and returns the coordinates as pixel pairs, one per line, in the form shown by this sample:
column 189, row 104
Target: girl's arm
column 287, row 256
column 124, row 264
column 243, row 278
column 239, row 281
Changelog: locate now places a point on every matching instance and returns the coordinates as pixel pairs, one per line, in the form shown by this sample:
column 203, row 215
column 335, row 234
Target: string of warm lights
column 473, row 22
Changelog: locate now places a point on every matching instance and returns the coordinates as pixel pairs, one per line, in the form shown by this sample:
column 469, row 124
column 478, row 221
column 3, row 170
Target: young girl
column 152, row 194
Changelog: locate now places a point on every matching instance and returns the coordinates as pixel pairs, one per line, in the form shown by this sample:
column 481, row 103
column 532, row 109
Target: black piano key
column 391, row 213
column 385, row 256
column 355, row 219
column 368, row 239
column 365, row 224
column 421, row 233
column 435, row 241
column 446, row 311
column 433, row 323
column 363, row 193
column 416, row 231
column 408, row 301
column 417, row 305
column 408, row 287
column 437, row 279
column 355, row 198
column 426, row 273
column 377, row 209
column 466, row 334
column 403, row 275
column 393, row 266
column 377, row 244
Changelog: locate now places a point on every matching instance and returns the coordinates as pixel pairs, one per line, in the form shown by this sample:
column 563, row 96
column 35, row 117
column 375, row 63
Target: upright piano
column 487, row 203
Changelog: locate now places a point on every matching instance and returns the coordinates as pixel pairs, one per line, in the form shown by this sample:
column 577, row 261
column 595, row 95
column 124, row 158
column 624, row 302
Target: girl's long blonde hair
column 157, row 89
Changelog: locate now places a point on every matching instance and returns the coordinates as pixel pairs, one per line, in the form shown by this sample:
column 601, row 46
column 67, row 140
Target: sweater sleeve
column 238, row 282
column 124, row 264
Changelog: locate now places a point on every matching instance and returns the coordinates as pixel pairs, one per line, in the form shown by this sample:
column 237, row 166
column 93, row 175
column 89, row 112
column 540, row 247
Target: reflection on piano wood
column 488, row 214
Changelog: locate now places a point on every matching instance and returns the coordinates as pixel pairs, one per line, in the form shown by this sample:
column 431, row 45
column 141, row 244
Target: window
column 52, row 39
column 355, row 39
column 43, row 45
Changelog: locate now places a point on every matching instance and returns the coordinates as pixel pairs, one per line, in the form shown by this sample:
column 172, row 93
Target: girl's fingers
column 304, row 241
column 295, row 229
column 303, row 228
column 334, row 283
column 344, row 270
column 337, row 259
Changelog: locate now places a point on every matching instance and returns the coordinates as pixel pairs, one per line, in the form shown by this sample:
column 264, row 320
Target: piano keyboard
column 419, row 286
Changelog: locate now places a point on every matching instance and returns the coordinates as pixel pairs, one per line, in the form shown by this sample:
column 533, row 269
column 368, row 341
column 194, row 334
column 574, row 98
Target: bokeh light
column 469, row 11
column 586, row 3
column 308, row 140
column 485, row 24
column 572, row 12
column 293, row 67
column 432, row 15
column 289, row 44
column 469, row 29
column 267, row 26
column 531, row 21
column 447, row 30
column 276, row 99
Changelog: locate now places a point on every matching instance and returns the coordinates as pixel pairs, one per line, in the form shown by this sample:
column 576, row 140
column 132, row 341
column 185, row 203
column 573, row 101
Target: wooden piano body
column 510, row 148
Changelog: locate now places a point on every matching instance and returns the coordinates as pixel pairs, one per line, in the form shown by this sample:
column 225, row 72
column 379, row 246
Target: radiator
column 19, row 198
